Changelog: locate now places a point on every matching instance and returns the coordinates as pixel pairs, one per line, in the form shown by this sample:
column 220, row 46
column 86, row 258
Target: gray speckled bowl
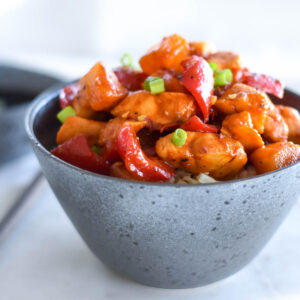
column 163, row 235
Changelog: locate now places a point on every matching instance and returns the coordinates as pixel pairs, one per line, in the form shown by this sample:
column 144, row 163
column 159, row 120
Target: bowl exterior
column 163, row 235
column 172, row 236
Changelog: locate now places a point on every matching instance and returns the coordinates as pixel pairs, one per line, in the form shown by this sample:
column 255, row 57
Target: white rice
column 188, row 178
column 183, row 177
column 248, row 171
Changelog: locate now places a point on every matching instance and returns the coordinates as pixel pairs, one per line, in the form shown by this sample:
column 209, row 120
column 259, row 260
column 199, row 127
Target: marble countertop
column 44, row 257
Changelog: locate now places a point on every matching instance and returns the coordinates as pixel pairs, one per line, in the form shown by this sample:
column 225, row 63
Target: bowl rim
column 50, row 94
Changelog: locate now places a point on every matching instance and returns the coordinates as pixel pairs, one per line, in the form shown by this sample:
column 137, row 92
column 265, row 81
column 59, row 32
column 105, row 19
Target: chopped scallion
column 136, row 66
column 65, row 113
column 126, row 60
column 155, row 85
column 223, row 77
column 213, row 66
column 179, row 137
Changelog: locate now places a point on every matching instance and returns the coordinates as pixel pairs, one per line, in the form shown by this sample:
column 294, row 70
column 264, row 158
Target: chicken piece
column 291, row 117
column 225, row 60
column 275, row 156
column 239, row 126
column 112, row 127
column 275, row 128
column 241, row 97
column 219, row 155
column 202, row 48
column 118, row 170
column 168, row 54
column 75, row 125
column 100, row 90
column 82, row 106
column 162, row 109
column 83, row 109
column 171, row 81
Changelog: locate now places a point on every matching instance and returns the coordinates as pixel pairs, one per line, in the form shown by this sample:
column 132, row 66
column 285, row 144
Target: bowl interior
column 290, row 98
column 46, row 125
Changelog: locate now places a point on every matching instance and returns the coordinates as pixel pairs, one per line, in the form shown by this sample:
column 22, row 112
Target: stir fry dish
column 188, row 114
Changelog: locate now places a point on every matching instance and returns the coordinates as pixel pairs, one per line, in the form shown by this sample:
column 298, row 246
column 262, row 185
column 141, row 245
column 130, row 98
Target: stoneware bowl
column 164, row 235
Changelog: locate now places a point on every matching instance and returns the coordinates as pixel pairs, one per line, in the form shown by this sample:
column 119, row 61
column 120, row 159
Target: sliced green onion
column 179, row 137
column 65, row 113
column 136, row 66
column 223, row 77
column 155, row 85
column 213, row 66
column 126, row 60
column 96, row 149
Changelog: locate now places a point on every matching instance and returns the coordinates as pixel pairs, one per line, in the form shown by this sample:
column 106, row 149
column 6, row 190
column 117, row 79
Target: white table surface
column 44, row 257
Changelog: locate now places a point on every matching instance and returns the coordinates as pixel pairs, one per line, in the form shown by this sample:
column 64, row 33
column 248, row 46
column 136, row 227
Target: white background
column 39, row 33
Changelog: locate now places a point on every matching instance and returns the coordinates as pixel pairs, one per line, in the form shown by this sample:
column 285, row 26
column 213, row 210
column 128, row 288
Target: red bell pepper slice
column 77, row 152
column 110, row 152
column 239, row 74
column 67, row 94
column 130, row 78
column 265, row 83
column 135, row 160
column 198, row 79
column 196, row 124
column 262, row 82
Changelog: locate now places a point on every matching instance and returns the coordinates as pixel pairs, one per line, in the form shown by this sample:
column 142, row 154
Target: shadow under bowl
column 164, row 235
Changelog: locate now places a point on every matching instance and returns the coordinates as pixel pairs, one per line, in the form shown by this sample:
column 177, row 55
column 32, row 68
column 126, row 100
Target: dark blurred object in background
column 17, row 88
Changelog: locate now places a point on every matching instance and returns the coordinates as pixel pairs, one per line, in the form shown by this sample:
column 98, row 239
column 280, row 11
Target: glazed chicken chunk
column 275, row 156
column 220, row 156
column 225, row 60
column 162, row 109
column 202, row 48
column 275, row 127
column 113, row 126
column 241, row 97
column 76, row 125
column 168, row 54
column 171, row 81
column 239, row 126
column 100, row 90
column 291, row 117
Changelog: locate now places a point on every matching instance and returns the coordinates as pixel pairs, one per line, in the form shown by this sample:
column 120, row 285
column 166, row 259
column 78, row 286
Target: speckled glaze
column 163, row 235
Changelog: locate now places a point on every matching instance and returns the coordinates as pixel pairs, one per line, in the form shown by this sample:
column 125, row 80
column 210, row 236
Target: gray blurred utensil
column 17, row 88
column 19, row 207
